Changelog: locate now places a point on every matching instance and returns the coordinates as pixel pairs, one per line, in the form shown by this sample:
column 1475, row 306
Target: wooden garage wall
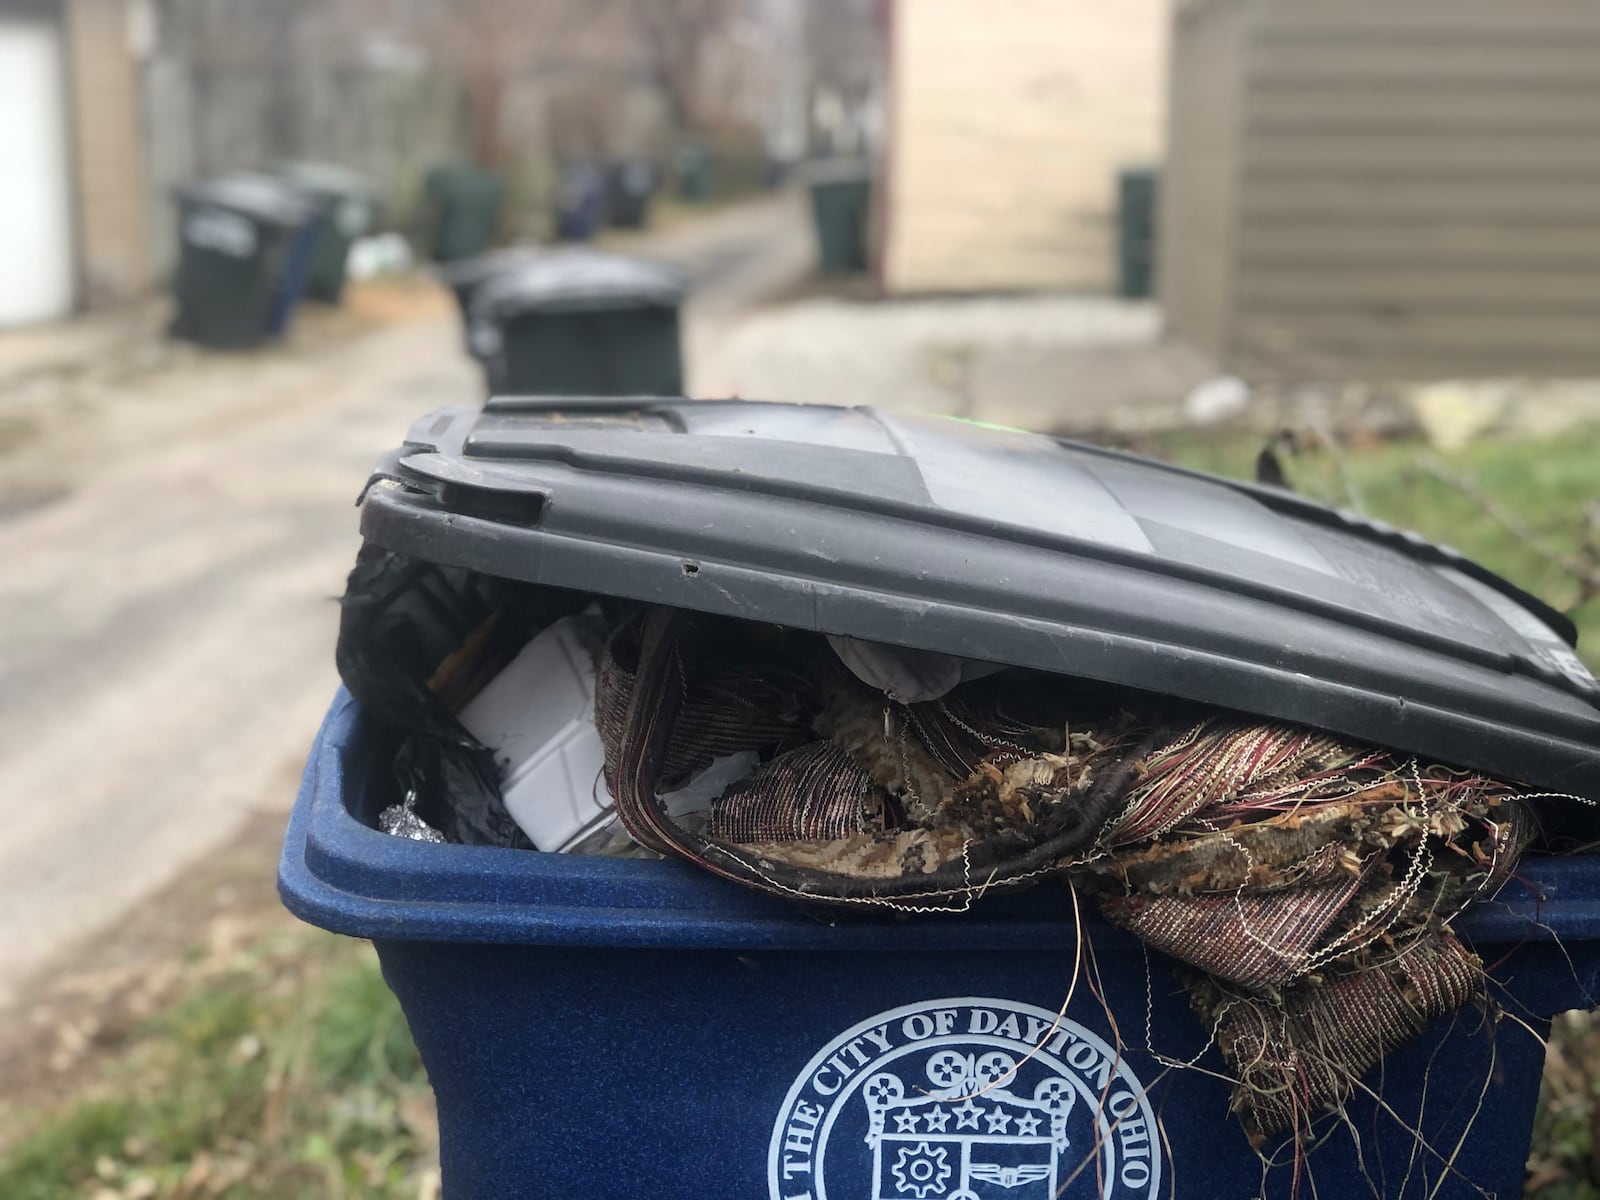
column 108, row 142
column 1008, row 120
column 1413, row 186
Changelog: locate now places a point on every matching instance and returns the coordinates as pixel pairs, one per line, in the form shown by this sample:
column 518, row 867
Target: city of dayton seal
column 965, row 1099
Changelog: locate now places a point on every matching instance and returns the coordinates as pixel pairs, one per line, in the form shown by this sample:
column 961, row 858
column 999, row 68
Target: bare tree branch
column 486, row 41
column 676, row 34
column 1583, row 566
column 1330, row 444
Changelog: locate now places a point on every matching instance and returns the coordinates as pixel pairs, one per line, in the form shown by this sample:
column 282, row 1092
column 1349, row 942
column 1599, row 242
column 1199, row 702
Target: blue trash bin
column 617, row 1028
column 580, row 202
column 630, row 186
column 604, row 1027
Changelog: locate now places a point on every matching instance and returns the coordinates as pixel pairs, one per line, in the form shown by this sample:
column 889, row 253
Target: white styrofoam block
column 537, row 716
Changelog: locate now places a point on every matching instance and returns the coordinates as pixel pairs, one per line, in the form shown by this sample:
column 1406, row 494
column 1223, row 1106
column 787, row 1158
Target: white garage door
column 35, row 214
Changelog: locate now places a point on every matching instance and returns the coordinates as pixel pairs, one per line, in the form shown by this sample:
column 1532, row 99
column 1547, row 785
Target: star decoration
column 1027, row 1126
column 967, row 1115
column 906, row 1122
column 998, row 1120
column 938, row 1119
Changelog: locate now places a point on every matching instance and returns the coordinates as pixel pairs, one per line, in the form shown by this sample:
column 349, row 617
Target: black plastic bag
column 402, row 621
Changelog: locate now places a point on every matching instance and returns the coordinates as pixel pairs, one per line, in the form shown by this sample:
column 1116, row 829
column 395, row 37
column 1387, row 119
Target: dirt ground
column 92, row 999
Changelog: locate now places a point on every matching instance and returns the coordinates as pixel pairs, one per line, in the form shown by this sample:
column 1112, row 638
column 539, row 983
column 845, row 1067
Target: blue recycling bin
column 619, row 1028
column 580, row 202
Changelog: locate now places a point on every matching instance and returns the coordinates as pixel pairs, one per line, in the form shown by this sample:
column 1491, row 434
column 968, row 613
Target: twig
column 1341, row 468
column 1584, row 566
column 1270, row 464
column 1589, row 555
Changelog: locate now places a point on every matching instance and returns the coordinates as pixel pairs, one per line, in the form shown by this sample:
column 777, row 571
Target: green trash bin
column 463, row 211
column 244, row 251
column 694, row 169
column 1137, row 192
column 577, row 322
column 841, row 200
column 349, row 205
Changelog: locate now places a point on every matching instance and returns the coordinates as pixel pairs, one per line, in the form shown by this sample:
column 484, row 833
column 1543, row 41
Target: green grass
column 289, row 1074
column 1565, row 1161
column 1544, row 485
column 42, row 1167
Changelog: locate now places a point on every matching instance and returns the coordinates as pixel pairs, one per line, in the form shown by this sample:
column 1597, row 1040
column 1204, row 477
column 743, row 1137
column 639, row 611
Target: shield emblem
column 967, row 1137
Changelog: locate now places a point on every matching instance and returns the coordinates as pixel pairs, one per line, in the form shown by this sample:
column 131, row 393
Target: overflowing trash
column 1307, row 881
column 402, row 625
column 1303, row 881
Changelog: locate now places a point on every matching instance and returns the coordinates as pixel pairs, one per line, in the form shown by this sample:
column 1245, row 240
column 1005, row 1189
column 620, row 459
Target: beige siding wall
column 1008, row 122
column 1198, row 200
column 113, row 234
column 1416, row 190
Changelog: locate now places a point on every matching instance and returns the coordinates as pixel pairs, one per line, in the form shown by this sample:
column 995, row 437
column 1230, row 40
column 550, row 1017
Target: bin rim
column 474, row 270
column 329, row 178
column 569, row 279
column 342, row 875
column 823, row 172
column 265, row 198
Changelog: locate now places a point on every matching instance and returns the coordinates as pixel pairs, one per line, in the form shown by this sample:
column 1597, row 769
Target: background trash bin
column 462, row 211
column 350, row 210
column 245, row 246
column 777, row 172
column 579, row 322
column 1137, row 193
column 630, row 185
column 841, row 197
column 694, row 171
column 607, row 1025
column 618, row 1027
column 580, row 202
column 465, row 276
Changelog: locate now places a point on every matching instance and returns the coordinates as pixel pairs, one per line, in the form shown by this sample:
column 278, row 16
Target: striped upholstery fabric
column 1305, row 881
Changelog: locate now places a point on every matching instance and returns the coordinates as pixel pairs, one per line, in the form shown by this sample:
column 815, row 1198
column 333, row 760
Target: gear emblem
column 921, row 1170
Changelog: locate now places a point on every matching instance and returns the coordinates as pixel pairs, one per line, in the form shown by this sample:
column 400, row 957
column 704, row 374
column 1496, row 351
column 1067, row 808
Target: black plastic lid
column 1007, row 546
column 576, row 279
column 263, row 197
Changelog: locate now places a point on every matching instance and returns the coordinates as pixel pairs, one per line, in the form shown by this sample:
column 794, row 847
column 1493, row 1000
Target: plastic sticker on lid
column 1544, row 640
column 220, row 230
